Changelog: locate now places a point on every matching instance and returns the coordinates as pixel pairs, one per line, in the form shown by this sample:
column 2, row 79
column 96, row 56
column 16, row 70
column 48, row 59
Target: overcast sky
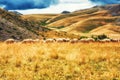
column 64, row 5
column 51, row 6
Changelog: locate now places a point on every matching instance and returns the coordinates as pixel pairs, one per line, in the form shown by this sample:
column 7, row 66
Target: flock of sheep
column 50, row 40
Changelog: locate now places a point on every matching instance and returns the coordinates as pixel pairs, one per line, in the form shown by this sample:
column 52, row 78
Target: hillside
column 112, row 31
column 18, row 27
column 81, row 22
column 84, row 21
column 12, row 26
column 38, row 17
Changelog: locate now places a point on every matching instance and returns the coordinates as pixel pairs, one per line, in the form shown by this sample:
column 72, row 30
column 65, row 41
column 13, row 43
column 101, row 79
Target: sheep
column 90, row 40
column 115, row 40
column 74, row 40
column 87, row 40
column 66, row 40
column 59, row 40
column 49, row 40
column 28, row 41
column 83, row 40
column 36, row 40
column 105, row 40
column 62, row 40
column 10, row 41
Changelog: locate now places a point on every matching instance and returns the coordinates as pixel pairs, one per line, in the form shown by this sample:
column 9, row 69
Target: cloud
column 64, row 5
column 39, row 4
column 26, row 4
column 51, row 6
column 58, row 8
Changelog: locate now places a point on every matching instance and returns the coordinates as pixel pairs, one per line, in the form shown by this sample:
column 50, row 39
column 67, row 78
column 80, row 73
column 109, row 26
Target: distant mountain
column 113, row 9
column 65, row 12
column 16, row 12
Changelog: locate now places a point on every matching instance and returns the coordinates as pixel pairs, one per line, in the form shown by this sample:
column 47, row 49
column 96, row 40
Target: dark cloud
column 30, row 4
column 26, row 4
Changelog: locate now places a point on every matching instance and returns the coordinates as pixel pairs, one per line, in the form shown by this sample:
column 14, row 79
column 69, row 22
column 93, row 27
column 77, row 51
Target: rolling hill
column 38, row 17
column 93, row 21
column 13, row 26
column 82, row 22
column 18, row 27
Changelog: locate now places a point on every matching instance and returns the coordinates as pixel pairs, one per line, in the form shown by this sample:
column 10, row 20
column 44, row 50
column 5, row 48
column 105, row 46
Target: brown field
column 60, row 61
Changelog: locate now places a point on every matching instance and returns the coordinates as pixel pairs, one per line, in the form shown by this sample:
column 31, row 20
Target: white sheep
column 28, row 41
column 90, row 39
column 36, row 40
column 59, row 40
column 66, row 39
column 75, row 40
column 49, row 40
column 87, row 40
column 9, row 41
column 115, row 40
column 105, row 40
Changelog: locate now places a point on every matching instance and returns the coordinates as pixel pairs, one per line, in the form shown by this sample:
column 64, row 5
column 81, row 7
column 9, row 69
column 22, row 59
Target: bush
column 94, row 37
column 1, row 29
column 83, row 37
column 99, row 37
column 103, row 36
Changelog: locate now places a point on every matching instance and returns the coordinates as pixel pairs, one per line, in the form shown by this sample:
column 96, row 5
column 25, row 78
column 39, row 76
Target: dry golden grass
column 86, row 24
column 69, row 20
column 60, row 61
column 112, row 31
column 93, row 21
column 58, row 34
column 38, row 17
column 82, row 12
column 89, row 24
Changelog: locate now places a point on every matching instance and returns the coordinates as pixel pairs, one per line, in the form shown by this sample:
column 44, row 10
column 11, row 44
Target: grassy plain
column 60, row 61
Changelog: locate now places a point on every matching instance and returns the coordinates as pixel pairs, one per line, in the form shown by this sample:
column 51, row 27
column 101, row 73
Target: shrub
column 99, row 37
column 95, row 37
column 82, row 37
column 103, row 36
column 1, row 29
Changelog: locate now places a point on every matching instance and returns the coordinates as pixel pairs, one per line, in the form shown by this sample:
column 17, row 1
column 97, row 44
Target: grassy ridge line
column 38, row 17
column 60, row 61
column 91, row 23
column 87, row 11
column 71, row 20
